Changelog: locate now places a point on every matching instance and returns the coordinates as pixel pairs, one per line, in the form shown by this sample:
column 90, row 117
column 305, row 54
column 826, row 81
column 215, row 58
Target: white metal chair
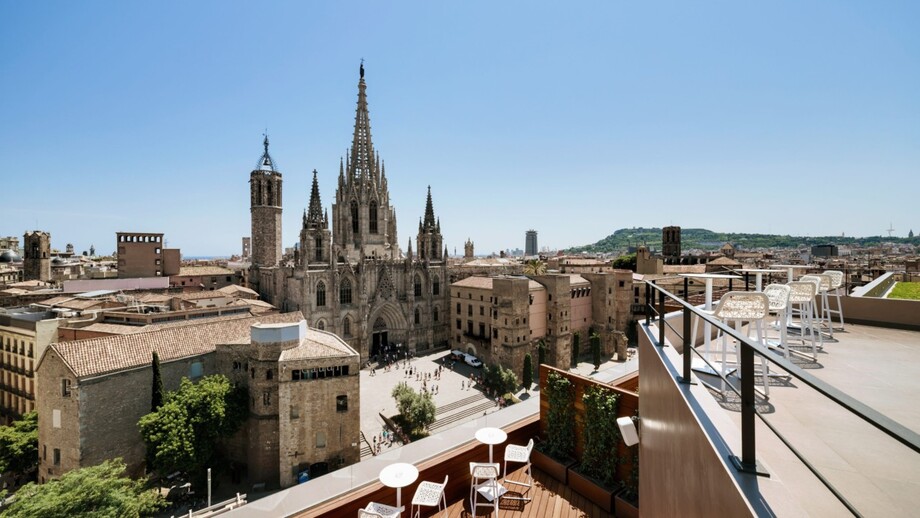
column 484, row 476
column 824, row 286
column 778, row 297
column 802, row 304
column 836, row 287
column 739, row 307
column 429, row 494
column 376, row 510
column 519, row 454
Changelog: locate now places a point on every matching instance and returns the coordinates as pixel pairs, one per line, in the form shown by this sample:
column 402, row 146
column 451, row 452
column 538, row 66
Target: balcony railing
column 658, row 300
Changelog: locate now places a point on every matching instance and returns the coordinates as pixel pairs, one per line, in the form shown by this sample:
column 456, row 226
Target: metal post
column 661, row 318
column 748, row 461
column 688, row 348
column 209, row 487
column 687, row 289
column 730, row 284
column 648, row 304
column 747, row 281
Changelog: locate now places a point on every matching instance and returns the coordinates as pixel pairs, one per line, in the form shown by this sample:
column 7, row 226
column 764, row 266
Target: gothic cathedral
column 354, row 280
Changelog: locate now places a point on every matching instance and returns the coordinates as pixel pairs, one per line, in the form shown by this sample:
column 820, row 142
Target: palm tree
column 534, row 267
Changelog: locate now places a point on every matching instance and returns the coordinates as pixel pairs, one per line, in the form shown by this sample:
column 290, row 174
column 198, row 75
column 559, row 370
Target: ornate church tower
column 315, row 239
column 468, row 250
column 265, row 208
column 363, row 223
column 429, row 240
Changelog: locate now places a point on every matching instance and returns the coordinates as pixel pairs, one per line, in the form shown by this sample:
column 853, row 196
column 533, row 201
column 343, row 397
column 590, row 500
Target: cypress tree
column 156, row 398
column 596, row 350
column 528, row 372
column 575, row 338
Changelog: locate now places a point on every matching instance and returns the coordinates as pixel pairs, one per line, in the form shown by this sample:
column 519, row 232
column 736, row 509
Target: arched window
column 354, row 216
column 319, row 249
column 321, row 325
column 417, row 316
column 346, row 327
column 435, row 314
column 418, row 286
column 436, row 286
column 345, row 292
column 372, row 217
column 320, row 294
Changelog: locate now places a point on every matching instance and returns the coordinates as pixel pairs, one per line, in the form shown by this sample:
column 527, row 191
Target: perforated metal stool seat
column 520, row 454
column 429, row 494
column 740, row 307
column 484, row 477
column 778, row 296
column 802, row 303
column 377, row 510
column 836, row 287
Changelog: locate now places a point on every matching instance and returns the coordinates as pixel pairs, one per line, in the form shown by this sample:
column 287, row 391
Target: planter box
column 624, row 508
column 592, row 490
column 558, row 469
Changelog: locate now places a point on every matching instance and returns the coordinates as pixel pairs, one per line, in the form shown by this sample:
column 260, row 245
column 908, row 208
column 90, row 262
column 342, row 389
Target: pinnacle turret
column 429, row 212
column 315, row 211
column 265, row 161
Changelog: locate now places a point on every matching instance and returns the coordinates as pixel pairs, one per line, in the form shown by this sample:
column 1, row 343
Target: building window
column 469, row 310
column 345, row 292
column 372, row 217
column 469, row 327
column 253, row 374
column 295, row 414
column 321, row 325
column 268, row 374
column 622, row 284
column 267, row 398
column 417, row 316
column 320, row 294
column 482, row 310
column 482, row 330
column 195, row 370
column 354, row 217
column 341, row 403
column 418, row 286
column 320, row 439
column 318, row 256
column 237, row 366
column 435, row 314
column 459, row 324
column 57, row 456
column 346, row 327
column 458, row 308
column 436, row 286
column 495, row 333
column 65, row 388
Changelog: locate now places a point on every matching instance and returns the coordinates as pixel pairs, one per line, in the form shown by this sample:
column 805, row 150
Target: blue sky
column 575, row 119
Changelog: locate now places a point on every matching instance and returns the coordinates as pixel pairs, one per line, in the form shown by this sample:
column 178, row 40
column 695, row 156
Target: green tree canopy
column 499, row 378
column 417, row 409
column 95, row 491
column 156, row 398
column 534, row 267
column 19, row 445
column 625, row 262
column 184, row 432
column 596, row 350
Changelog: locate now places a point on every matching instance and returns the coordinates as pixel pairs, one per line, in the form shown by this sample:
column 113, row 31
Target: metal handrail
column 747, row 349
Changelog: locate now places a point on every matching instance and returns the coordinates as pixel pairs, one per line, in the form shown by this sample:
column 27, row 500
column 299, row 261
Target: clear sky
column 572, row 118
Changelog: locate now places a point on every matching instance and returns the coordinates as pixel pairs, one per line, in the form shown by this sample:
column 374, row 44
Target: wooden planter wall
column 628, row 405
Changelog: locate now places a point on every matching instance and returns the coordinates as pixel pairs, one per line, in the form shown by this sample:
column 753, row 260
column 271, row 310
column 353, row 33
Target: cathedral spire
column 362, row 166
column 429, row 212
column 315, row 212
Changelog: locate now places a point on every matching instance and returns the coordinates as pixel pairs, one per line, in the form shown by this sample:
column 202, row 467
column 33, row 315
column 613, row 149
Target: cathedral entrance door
column 379, row 338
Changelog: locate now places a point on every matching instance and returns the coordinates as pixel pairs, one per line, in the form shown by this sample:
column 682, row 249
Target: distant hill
column 709, row 240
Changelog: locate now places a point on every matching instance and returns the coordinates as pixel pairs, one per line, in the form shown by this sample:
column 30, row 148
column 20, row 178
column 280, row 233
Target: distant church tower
column 670, row 245
column 37, row 258
column 315, row 238
column 363, row 222
column 265, row 203
column 468, row 249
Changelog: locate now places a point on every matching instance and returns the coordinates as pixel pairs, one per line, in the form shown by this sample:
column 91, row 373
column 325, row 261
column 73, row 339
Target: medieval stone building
column 353, row 279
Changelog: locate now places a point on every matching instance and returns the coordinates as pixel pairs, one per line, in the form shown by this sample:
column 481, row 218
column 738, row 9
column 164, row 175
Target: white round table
column 398, row 475
column 758, row 272
column 491, row 436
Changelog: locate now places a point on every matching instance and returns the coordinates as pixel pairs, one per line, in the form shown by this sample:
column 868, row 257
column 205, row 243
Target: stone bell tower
column 265, row 208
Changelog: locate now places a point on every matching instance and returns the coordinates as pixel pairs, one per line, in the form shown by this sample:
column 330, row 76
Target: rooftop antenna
column 890, row 229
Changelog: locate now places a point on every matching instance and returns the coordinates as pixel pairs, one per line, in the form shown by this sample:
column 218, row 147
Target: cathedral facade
column 353, row 279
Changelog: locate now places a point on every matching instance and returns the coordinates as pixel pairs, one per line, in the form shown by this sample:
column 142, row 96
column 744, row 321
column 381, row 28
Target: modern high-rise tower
column 530, row 245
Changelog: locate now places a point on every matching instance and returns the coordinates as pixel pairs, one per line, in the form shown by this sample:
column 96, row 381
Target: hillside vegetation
column 709, row 240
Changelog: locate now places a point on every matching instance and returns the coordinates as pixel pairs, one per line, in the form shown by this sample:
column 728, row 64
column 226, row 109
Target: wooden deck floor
column 550, row 498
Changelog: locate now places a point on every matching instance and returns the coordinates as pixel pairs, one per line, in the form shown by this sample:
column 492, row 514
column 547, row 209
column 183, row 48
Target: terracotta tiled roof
column 318, row 344
column 108, row 354
column 56, row 300
column 576, row 280
column 195, row 271
column 483, row 283
column 233, row 289
column 684, row 268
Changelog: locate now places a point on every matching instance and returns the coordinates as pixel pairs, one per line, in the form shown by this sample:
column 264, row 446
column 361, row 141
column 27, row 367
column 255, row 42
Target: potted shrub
column 626, row 502
column 596, row 476
column 554, row 454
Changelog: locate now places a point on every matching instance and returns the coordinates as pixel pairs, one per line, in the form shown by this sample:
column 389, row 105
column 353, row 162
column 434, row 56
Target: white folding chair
column 429, row 494
column 519, row 454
